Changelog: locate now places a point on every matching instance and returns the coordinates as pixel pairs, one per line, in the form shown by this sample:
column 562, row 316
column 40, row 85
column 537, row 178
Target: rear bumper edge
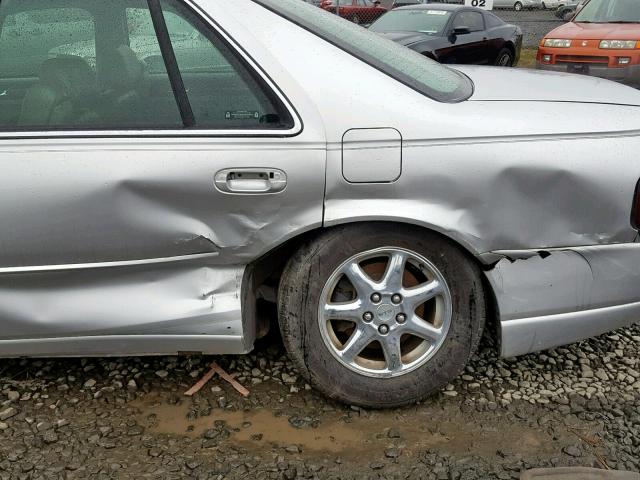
column 539, row 333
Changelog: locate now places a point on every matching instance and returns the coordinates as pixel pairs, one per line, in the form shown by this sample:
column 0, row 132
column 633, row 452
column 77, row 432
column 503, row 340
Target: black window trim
column 213, row 27
column 171, row 64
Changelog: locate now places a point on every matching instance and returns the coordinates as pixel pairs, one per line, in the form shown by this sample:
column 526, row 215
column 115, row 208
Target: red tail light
column 635, row 210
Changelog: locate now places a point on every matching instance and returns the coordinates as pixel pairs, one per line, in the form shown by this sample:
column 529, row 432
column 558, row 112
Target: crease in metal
column 92, row 266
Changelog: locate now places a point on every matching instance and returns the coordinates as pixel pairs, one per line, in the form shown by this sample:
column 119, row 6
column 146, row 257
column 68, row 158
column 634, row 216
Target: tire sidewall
column 502, row 53
column 336, row 380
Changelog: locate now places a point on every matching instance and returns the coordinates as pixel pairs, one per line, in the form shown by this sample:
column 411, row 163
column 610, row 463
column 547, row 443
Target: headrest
column 127, row 69
column 68, row 75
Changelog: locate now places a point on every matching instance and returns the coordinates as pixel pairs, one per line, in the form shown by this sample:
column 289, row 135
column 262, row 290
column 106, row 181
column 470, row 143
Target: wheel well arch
column 511, row 46
column 262, row 277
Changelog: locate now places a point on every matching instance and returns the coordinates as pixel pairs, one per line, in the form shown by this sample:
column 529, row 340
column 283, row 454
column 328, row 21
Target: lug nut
column 375, row 298
column 383, row 329
column 401, row 318
column 367, row 317
column 396, row 298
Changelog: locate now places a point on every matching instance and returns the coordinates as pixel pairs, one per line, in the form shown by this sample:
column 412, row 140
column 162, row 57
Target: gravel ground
column 535, row 24
column 128, row 418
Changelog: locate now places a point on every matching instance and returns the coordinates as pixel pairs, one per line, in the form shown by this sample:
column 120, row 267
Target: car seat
column 58, row 98
column 124, row 79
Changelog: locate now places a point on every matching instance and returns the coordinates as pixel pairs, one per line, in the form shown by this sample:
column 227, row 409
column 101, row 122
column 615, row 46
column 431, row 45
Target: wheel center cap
column 384, row 312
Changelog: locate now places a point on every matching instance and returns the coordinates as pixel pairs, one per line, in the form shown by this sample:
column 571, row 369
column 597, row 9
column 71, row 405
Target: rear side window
column 91, row 64
column 492, row 20
column 222, row 91
column 414, row 70
column 472, row 20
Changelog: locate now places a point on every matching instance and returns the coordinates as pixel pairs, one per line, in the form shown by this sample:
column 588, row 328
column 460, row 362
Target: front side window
column 90, row 64
column 414, row 70
column 431, row 22
column 472, row 20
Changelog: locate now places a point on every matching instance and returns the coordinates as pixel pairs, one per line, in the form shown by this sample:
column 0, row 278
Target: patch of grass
column 527, row 58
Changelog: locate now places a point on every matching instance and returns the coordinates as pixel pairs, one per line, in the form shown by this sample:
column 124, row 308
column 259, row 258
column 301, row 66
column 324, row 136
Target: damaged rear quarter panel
column 504, row 194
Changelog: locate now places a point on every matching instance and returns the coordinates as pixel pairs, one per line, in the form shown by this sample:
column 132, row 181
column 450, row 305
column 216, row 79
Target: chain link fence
column 362, row 12
column 365, row 12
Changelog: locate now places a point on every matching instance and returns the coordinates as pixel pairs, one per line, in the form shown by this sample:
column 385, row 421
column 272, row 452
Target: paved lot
column 128, row 418
column 535, row 24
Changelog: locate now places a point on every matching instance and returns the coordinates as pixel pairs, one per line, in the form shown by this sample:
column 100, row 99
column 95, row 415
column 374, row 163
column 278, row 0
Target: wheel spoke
column 363, row 284
column 343, row 311
column 358, row 341
column 423, row 329
column 422, row 293
column 392, row 353
column 392, row 278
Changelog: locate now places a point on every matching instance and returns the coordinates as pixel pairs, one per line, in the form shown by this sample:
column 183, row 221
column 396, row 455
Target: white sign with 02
column 484, row 4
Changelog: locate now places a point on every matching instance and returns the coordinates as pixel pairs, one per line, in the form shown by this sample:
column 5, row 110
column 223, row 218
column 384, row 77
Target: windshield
column 431, row 22
column 610, row 11
column 414, row 70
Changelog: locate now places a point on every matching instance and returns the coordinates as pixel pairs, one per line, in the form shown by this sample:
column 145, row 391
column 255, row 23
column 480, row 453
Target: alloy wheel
column 505, row 60
column 385, row 312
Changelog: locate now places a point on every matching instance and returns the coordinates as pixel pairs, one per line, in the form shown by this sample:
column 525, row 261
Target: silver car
column 519, row 5
column 171, row 169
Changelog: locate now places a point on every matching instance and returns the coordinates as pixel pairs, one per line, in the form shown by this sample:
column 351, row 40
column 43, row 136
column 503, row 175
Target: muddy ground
column 129, row 418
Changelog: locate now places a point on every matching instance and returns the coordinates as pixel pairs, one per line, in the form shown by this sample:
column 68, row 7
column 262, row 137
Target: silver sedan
column 171, row 169
column 519, row 5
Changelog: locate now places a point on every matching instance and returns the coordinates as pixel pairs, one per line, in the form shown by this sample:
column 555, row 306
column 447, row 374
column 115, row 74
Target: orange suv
column 602, row 40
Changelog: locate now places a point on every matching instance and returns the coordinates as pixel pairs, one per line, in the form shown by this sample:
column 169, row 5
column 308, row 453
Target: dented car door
column 133, row 201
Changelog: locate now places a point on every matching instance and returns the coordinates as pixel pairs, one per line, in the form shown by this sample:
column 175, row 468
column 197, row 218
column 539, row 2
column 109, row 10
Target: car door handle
column 250, row 180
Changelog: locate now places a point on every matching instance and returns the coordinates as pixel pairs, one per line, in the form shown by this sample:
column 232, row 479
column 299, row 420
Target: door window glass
column 32, row 36
column 492, row 20
column 471, row 20
column 223, row 92
column 91, row 64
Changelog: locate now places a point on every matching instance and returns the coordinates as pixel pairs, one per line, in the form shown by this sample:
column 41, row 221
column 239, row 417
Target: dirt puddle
column 256, row 426
column 412, row 431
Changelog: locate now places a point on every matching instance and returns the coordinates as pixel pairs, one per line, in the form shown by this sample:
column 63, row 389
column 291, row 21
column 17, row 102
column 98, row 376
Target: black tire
column 518, row 6
column 299, row 295
column 505, row 58
column 356, row 19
